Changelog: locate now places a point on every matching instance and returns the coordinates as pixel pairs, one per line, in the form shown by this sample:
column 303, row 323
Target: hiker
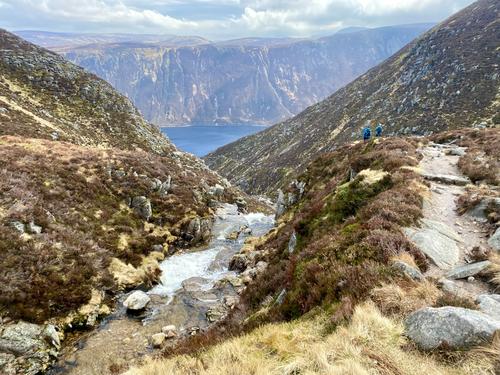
column 378, row 130
column 367, row 133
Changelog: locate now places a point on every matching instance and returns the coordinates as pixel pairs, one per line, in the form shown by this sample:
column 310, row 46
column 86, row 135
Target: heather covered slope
column 44, row 96
column 345, row 277
column 446, row 79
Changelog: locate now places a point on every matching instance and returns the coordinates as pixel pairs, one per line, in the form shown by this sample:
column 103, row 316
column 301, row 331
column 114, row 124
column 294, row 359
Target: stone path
column 445, row 236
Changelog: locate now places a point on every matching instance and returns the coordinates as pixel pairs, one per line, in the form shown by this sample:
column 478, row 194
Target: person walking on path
column 378, row 130
column 367, row 133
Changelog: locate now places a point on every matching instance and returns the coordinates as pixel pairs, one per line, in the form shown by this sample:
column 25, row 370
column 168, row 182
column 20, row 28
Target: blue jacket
column 367, row 133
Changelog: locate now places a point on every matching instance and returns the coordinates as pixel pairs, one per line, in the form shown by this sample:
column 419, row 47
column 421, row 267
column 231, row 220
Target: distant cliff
column 242, row 81
column 446, row 79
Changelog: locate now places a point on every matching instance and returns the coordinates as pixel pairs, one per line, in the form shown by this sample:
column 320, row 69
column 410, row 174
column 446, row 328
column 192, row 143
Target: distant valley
column 190, row 80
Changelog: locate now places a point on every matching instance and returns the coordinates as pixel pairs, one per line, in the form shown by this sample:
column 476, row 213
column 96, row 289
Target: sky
column 219, row 19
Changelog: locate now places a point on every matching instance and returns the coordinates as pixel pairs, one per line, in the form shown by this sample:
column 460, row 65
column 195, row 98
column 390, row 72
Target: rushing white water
column 207, row 264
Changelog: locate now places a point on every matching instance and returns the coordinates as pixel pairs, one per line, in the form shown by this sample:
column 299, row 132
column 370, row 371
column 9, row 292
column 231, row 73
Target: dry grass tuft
column 493, row 271
column 405, row 297
column 369, row 344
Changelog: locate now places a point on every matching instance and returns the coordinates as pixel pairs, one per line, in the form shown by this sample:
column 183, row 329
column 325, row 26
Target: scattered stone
column 260, row 267
column 467, row 270
column 441, row 249
column 158, row 248
column 241, row 204
column 454, row 289
column 494, row 240
column 142, row 207
column 231, row 301
column 51, row 335
column 280, row 205
column 158, row 339
column 138, row 300
column 408, row 270
column 165, row 186
column 479, row 211
column 292, row 243
column 239, row 262
column 490, row 305
column 233, row 236
column 216, row 313
column 450, row 327
column 457, row 151
column 17, row 225
column 447, row 179
column 33, row 229
column 281, row 297
column 27, row 348
column 170, row 331
column 471, row 279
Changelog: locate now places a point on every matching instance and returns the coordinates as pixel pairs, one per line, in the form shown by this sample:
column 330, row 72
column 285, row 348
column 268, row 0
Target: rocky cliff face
column 446, row 79
column 241, row 81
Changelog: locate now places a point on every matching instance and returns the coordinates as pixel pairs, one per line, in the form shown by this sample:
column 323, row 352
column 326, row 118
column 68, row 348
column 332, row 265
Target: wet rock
column 239, row 263
column 138, row 300
column 447, row 179
column 32, row 228
column 450, row 327
column 142, row 207
column 158, row 339
column 408, row 270
column 494, row 240
column 216, row 313
column 241, row 204
column 442, row 250
column 467, row 270
column 490, row 305
column 198, row 230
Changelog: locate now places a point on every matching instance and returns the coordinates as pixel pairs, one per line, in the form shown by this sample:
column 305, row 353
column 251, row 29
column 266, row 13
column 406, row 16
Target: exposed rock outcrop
column 451, row 327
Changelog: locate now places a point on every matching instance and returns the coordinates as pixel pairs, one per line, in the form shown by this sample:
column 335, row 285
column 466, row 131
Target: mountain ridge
column 428, row 86
column 258, row 81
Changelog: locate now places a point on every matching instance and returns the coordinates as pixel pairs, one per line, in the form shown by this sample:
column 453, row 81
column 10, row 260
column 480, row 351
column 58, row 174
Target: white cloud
column 219, row 18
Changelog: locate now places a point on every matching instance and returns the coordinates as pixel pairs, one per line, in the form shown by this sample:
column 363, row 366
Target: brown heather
column 69, row 191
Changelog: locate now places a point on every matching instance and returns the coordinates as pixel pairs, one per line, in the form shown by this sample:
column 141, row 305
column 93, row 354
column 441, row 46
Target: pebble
column 471, row 279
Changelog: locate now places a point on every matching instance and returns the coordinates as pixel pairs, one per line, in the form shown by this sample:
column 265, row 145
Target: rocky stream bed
column 196, row 290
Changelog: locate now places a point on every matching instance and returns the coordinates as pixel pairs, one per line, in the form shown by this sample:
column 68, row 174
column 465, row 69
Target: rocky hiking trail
column 449, row 239
column 196, row 290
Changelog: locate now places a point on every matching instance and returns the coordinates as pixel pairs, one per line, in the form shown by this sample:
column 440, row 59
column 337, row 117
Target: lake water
column 201, row 140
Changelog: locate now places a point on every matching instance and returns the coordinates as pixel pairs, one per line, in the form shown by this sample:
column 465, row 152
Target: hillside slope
column 239, row 81
column 44, row 96
column 446, row 79
column 92, row 198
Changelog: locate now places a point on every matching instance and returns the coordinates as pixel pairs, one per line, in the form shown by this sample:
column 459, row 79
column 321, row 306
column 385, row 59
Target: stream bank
column 192, row 294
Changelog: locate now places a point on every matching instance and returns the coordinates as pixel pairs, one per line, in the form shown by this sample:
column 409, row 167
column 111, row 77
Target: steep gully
column 195, row 290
